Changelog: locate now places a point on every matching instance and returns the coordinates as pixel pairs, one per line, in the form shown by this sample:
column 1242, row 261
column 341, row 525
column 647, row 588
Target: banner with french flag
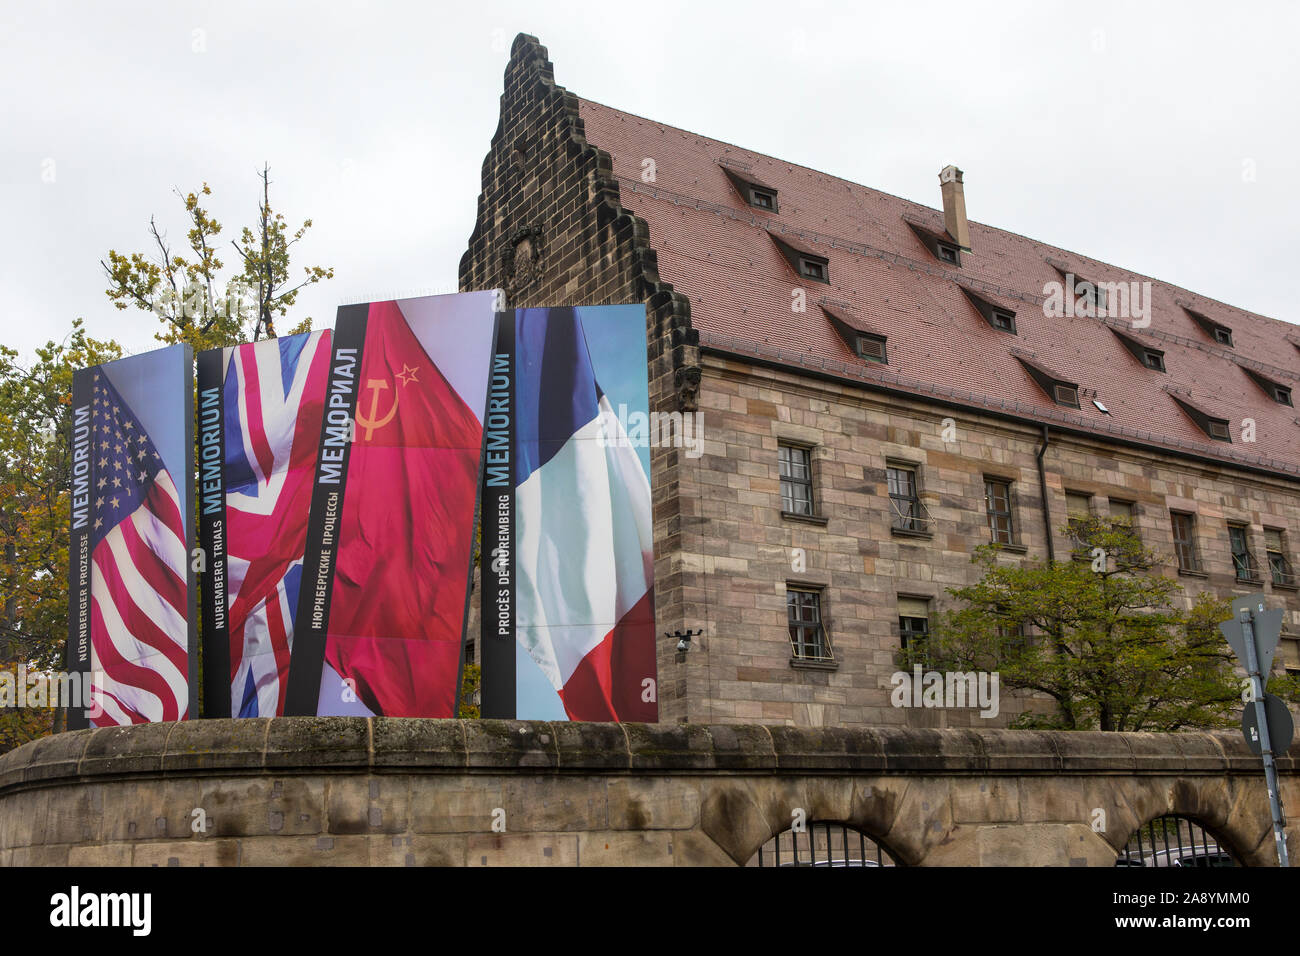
column 568, row 619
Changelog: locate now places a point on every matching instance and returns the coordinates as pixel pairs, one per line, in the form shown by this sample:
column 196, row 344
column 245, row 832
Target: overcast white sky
column 1160, row 137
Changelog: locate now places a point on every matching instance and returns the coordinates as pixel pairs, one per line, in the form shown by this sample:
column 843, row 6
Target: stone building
column 883, row 387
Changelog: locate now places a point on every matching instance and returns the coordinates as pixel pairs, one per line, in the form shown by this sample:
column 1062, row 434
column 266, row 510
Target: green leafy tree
column 198, row 301
column 19, row 725
column 195, row 297
column 470, row 682
column 35, row 475
column 1112, row 645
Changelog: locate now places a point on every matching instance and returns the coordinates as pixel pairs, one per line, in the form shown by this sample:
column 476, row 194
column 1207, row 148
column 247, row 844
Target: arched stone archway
column 741, row 816
column 1233, row 808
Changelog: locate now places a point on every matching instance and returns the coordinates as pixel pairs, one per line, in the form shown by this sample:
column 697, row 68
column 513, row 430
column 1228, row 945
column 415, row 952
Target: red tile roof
column 712, row 248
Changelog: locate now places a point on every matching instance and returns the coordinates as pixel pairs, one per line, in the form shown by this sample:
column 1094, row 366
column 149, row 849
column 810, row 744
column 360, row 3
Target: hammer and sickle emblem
column 369, row 423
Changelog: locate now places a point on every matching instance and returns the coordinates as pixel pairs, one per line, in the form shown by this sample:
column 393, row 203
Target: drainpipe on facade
column 1042, row 490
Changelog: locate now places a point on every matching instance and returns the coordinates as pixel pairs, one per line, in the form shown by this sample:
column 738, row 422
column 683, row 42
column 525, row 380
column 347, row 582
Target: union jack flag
column 138, row 583
column 274, row 396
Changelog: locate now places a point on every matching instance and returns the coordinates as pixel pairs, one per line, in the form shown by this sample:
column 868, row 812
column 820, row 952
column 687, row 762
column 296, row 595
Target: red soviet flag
column 406, row 534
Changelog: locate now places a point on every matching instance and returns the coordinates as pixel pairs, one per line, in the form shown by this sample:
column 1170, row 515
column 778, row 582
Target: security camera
column 683, row 641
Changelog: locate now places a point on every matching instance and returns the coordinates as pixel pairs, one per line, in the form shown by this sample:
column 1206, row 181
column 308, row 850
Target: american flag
column 274, row 397
column 139, row 597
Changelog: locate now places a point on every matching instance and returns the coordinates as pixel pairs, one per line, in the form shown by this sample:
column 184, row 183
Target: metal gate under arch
column 1174, row 841
column 822, row 844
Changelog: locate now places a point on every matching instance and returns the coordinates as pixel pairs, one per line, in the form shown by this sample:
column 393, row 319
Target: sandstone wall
column 381, row 791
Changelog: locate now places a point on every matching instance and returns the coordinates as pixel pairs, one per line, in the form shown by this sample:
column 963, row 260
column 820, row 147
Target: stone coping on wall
column 289, row 745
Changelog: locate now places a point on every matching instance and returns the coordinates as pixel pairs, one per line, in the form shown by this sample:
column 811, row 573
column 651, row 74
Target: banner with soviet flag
column 382, row 607
column 568, row 578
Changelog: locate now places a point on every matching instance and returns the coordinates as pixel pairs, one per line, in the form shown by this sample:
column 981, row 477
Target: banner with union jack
column 131, row 586
column 260, row 411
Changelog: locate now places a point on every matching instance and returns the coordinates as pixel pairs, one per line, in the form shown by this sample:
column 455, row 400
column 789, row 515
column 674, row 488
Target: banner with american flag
column 132, row 594
column 260, row 411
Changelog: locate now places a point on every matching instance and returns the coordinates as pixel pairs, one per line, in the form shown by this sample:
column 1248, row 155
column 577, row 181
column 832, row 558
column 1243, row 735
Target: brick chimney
column 954, row 206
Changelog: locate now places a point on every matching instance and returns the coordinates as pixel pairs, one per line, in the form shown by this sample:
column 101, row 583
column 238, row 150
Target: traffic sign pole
column 1266, row 744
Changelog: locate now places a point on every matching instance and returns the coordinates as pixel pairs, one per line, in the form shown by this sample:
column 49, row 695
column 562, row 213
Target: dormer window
column 1057, row 388
column 1088, row 291
column 998, row 316
column 1215, row 427
column 756, row 194
column 1153, row 359
column 1076, row 295
column 854, row 332
column 872, row 347
column 940, row 245
column 1220, row 333
column 1091, row 294
column 1066, row 395
column 806, row 262
column 1275, row 390
column 813, row 268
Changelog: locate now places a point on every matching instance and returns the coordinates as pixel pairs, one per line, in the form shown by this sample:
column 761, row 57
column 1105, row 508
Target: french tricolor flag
column 584, row 553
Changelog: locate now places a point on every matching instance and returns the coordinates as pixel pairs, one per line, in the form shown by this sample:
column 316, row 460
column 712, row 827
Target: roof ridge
column 973, row 222
column 835, row 242
column 971, row 283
